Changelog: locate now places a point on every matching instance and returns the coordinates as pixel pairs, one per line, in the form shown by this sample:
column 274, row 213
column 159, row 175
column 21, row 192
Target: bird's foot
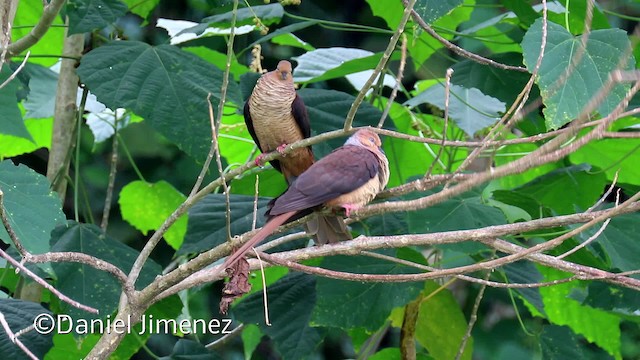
column 260, row 160
column 348, row 208
column 280, row 149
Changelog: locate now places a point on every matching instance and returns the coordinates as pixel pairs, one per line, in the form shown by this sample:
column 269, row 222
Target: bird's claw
column 348, row 208
column 259, row 160
column 280, row 149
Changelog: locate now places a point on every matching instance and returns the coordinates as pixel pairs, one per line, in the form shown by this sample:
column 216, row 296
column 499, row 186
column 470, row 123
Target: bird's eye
column 373, row 141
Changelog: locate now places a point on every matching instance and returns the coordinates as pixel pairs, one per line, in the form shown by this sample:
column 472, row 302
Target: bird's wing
column 343, row 171
column 299, row 112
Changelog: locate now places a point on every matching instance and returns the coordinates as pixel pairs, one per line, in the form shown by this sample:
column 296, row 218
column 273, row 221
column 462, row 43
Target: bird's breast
column 273, row 121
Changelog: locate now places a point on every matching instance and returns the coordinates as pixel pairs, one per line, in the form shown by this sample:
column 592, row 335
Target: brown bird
column 276, row 116
column 347, row 178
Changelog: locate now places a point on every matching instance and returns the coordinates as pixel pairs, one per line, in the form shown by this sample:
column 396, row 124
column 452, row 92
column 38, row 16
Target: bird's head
column 284, row 71
column 366, row 138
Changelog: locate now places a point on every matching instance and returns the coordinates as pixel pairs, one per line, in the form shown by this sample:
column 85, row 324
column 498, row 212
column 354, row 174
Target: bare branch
column 50, row 12
column 14, row 339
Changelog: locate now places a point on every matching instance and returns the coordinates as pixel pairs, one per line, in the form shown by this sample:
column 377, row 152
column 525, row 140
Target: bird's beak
column 284, row 74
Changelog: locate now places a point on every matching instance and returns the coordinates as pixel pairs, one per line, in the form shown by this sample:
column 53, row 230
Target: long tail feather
column 266, row 230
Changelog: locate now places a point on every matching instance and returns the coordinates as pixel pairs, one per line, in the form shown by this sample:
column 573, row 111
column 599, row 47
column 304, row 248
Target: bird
column 276, row 116
column 348, row 178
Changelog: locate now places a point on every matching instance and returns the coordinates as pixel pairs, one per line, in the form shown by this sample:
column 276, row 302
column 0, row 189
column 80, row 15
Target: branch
column 49, row 14
column 456, row 49
column 381, row 64
column 14, row 339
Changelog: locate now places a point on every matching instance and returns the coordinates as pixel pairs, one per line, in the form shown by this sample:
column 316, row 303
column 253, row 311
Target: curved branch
column 49, row 14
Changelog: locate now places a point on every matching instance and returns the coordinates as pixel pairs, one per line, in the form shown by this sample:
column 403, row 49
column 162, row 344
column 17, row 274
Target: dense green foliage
column 147, row 84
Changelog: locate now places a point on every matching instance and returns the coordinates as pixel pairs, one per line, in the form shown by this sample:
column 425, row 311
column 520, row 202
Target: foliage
column 477, row 250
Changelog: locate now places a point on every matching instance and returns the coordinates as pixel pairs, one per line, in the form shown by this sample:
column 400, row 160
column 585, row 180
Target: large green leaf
column 595, row 325
column 86, row 284
column 11, row 122
column 327, row 112
column 330, row 63
column 441, row 324
column 207, row 223
column 619, row 240
column 146, row 206
column 617, row 299
column 469, row 108
column 606, row 50
column 89, row 15
column 504, row 85
column 163, row 84
column 40, row 131
column 613, row 156
column 291, row 300
column 32, row 208
column 467, row 211
column 191, row 350
column 432, row 10
column 565, row 189
column 560, row 343
column 20, row 315
column 349, row 304
column 268, row 14
column 142, row 8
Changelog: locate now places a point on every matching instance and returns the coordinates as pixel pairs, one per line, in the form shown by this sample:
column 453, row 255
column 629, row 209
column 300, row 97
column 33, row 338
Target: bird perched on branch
column 347, row 178
column 276, row 116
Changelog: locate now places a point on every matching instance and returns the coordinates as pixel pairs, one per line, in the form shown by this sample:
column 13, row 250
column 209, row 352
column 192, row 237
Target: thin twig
column 381, row 64
column 447, row 93
column 473, row 318
column 46, row 285
column 15, row 73
column 398, row 84
column 7, row 225
column 456, row 49
column 14, row 339
column 44, row 23
column 113, row 169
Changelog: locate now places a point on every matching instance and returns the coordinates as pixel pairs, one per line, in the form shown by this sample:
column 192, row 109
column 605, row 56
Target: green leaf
column 441, row 324
column 330, row 63
column 71, row 347
column 605, row 51
column 612, row 155
column 327, row 111
column 613, row 298
column 291, row 300
column 387, row 354
column 146, row 206
column 11, row 122
column 268, row 14
column 524, row 272
column 504, row 85
column 86, row 284
column 43, row 85
column 466, row 211
column 565, row 189
column 523, row 10
column 219, row 60
column 32, row 208
column 142, row 8
column 291, row 40
column 207, row 223
column 251, row 337
column 469, row 108
column 29, row 13
column 559, row 342
column 89, row 15
column 40, row 131
column 192, row 350
column 20, row 315
column 432, row 10
column 508, row 153
column 341, row 303
column 163, row 84
column 619, row 240
column 595, row 325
